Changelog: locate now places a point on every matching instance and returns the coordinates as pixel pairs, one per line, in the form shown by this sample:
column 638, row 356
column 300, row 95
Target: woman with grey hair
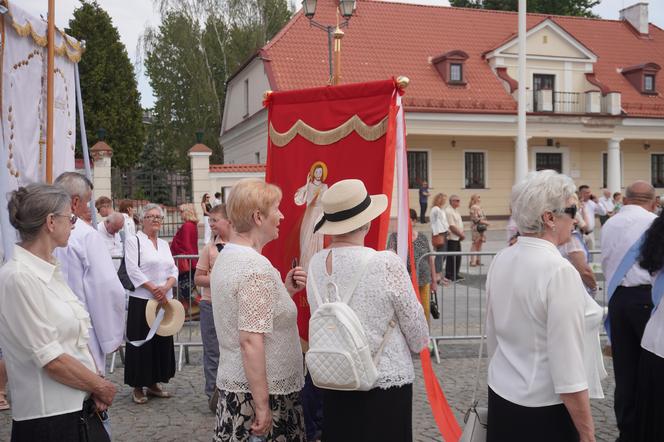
column 153, row 362
column 44, row 328
column 541, row 325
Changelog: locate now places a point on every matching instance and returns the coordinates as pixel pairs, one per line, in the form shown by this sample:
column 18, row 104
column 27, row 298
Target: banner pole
column 84, row 140
column 50, row 92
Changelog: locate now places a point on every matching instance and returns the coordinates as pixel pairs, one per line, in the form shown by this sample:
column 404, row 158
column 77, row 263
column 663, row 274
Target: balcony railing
column 591, row 102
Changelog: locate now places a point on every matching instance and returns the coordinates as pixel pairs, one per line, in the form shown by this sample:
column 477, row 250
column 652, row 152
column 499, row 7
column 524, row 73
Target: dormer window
column 649, row 83
column 643, row 77
column 450, row 67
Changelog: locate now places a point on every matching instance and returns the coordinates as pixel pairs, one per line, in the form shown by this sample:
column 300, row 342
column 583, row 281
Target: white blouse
column 542, row 328
column 384, row 290
column 653, row 336
column 248, row 295
column 40, row 319
column 157, row 264
column 438, row 221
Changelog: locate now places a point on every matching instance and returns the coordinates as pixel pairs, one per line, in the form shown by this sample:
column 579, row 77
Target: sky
column 132, row 16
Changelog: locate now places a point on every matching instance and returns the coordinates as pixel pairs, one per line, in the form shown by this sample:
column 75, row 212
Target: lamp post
column 334, row 33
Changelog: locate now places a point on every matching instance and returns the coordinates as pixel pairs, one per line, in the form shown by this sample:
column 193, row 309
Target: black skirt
column 152, row 362
column 368, row 416
column 650, row 398
column 508, row 421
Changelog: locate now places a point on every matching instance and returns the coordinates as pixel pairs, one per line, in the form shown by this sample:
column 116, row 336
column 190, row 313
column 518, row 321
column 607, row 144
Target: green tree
column 581, row 8
column 110, row 96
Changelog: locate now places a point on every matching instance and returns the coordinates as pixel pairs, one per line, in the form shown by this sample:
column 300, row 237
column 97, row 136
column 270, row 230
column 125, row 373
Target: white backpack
column 339, row 356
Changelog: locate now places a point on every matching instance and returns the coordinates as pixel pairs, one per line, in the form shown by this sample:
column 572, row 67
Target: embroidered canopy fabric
column 24, row 66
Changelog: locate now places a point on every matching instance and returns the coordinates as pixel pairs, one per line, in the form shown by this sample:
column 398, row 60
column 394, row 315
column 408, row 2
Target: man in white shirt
column 631, row 303
column 453, row 264
column 606, row 202
column 110, row 230
column 217, row 199
column 89, row 271
column 590, row 208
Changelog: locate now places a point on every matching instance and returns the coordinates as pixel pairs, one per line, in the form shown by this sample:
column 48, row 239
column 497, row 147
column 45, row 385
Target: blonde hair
column 439, row 199
column 188, row 213
column 247, row 196
column 473, row 200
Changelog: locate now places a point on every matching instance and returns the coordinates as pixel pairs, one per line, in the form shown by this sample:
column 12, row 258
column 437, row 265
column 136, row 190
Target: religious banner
column 23, row 104
column 319, row 136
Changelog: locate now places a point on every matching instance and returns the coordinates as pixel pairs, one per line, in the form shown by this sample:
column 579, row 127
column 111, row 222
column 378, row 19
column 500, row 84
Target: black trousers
column 453, row 263
column 629, row 311
column 515, row 423
column 368, row 416
column 423, row 211
column 649, row 402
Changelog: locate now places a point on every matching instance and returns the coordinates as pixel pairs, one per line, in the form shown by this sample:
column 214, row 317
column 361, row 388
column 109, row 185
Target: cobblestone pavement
column 186, row 416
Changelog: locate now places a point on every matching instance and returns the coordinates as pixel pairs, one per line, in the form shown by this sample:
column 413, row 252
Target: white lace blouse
column 383, row 291
column 248, row 295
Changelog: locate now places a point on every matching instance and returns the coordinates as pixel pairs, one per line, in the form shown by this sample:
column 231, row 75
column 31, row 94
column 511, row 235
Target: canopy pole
column 50, row 92
column 84, row 141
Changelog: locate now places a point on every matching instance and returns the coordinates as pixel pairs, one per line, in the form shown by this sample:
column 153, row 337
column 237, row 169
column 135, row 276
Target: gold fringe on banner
column 326, row 137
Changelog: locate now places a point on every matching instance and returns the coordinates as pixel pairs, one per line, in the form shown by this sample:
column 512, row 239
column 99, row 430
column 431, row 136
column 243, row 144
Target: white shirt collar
column 42, row 269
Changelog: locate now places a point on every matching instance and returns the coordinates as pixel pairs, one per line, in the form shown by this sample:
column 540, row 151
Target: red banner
column 316, row 138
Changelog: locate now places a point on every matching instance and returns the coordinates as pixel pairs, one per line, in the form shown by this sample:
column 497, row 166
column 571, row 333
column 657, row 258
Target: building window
column 649, row 83
column 258, row 157
column 546, row 160
column 456, row 72
column 657, row 163
column 246, row 97
column 418, row 168
column 475, row 176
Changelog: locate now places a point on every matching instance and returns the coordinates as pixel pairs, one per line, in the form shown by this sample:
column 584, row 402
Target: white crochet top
column 248, row 295
column 385, row 289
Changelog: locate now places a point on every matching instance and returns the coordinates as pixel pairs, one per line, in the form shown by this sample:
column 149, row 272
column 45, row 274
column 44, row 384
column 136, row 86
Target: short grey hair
column 149, row 207
column 29, row 207
column 539, row 192
column 115, row 217
column 74, row 183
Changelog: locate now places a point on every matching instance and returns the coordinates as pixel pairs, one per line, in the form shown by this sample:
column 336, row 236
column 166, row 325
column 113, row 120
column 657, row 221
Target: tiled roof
column 237, row 168
column 388, row 39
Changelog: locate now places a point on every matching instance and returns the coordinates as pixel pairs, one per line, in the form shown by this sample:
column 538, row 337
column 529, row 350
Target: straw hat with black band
column 173, row 316
column 348, row 206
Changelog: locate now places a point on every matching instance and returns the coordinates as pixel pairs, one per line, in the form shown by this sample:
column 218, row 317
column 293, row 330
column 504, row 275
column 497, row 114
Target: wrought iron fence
column 170, row 188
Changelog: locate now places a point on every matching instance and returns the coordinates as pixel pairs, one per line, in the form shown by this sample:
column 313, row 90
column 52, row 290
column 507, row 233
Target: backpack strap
column 390, row 326
column 353, row 285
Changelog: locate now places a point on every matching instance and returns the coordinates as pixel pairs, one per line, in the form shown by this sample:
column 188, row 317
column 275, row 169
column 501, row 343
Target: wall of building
column 253, row 75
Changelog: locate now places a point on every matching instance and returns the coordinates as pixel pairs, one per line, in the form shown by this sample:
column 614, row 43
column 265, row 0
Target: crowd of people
column 63, row 309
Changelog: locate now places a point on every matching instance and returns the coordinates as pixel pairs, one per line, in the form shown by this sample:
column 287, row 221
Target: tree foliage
column 188, row 59
column 110, row 96
column 558, row 7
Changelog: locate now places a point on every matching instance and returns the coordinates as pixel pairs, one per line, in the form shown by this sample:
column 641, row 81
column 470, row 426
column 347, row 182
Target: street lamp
column 346, row 9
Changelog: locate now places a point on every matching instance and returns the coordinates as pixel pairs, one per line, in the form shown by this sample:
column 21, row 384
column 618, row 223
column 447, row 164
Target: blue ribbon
column 658, row 290
column 628, row 260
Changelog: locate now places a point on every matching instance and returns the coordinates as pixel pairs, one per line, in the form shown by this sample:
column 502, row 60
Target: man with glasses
column 88, row 269
column 629, row 291
column 453, row 263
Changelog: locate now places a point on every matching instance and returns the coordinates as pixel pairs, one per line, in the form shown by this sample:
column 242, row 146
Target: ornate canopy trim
column 326, row 137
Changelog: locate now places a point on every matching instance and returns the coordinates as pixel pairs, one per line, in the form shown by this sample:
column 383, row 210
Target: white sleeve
column 565, row 302
column 138, row 278
column 104, row 294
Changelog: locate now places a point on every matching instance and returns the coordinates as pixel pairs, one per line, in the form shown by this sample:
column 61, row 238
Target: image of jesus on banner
column 310, row 195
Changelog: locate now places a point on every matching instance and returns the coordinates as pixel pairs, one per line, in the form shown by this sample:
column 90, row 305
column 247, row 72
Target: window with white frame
column 475, row 170
column 657, row 167
column 649, row 83
column 418, row 168
column 456, row 72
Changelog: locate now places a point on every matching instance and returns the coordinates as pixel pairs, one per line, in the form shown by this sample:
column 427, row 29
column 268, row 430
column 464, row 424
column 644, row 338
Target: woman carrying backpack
column 378, row 290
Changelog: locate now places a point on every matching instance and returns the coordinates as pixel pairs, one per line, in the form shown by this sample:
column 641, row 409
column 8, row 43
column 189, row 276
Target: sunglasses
column 72, row 217
column 571, row 211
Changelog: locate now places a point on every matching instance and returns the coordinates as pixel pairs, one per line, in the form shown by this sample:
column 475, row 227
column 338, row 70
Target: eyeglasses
column 157, row 218
column 571, row 211
column 72, row 217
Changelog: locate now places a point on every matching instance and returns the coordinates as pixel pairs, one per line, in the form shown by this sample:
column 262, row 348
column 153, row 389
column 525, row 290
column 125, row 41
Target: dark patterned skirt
column 152, row 362
column 235, row 414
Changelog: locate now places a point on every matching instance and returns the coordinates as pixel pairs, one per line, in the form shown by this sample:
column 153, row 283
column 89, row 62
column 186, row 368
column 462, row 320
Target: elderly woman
column 260, row 369
column 439, row 230
column 650, row 385
column 154, row 278
column 542, row 327
column 221, row 229
column 44, row 329
column 383, row 293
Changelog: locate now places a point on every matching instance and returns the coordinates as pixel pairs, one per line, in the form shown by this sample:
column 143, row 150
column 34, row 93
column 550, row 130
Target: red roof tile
column 237, row 168
column 388, row 39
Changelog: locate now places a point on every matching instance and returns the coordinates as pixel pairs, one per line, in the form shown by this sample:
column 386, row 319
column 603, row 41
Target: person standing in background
column 110, row 230
column 126, row 208
column 590, row 208
column 424, row 200
column 439, row 231
column 617, row 202
column 453, row 263
column 478, row 228
column 216, row 200
column 206, row 206
column 104, row 206
column 606, row 201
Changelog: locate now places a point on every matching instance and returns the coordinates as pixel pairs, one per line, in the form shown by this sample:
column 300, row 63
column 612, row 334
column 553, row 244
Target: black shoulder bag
column 122, row 271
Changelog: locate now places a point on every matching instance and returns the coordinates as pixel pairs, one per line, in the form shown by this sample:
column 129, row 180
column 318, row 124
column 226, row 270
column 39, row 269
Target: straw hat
column 173, row 316
column 348, row 206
